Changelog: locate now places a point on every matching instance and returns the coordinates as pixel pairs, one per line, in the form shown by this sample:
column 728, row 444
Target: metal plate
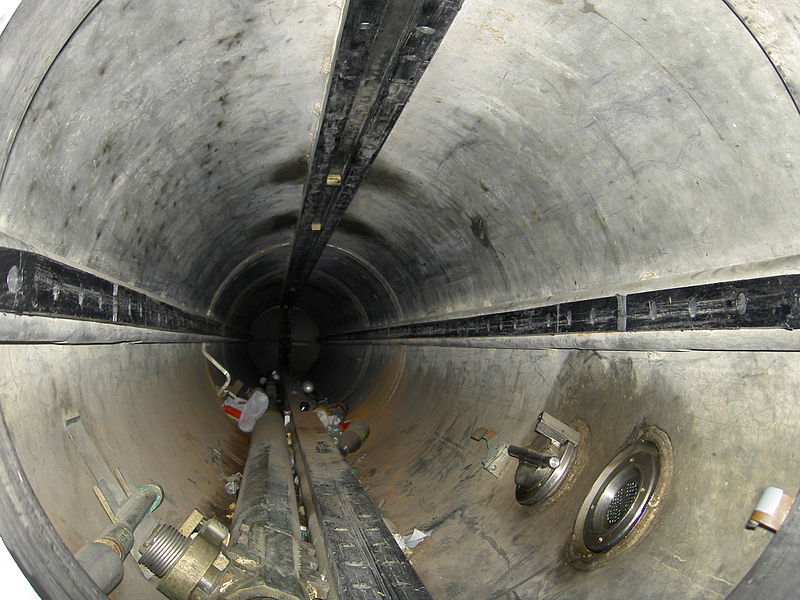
column 618, row 498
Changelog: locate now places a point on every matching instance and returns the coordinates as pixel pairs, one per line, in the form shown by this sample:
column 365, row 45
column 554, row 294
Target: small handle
column 535, row 459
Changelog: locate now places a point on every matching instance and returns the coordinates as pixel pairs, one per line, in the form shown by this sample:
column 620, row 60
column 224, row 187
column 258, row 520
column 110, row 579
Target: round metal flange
column 542, row 483
column 618, row 498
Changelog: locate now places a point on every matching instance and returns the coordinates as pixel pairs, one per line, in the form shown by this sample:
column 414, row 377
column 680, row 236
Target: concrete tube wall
column 553, row 151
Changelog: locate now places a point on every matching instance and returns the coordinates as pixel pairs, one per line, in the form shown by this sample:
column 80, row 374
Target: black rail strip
column 768, row 302
column 361, row 555
column 384, row 48
column 33, row 284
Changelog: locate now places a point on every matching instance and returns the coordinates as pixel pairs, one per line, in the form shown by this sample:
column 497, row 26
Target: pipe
column 224, row 387
column 266, row 522
column 529, row 457
column 102, row 558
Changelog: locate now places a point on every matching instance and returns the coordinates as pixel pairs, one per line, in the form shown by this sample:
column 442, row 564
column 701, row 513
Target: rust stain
column 492, row 31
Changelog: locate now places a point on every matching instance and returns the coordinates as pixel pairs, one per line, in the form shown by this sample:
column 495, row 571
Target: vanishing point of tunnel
column 545, row 253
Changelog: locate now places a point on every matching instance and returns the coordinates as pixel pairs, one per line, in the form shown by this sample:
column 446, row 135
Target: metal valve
column 544, row 465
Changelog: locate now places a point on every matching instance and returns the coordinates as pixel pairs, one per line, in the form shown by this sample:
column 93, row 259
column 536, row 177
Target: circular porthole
column 623, row 499
column 618, row 498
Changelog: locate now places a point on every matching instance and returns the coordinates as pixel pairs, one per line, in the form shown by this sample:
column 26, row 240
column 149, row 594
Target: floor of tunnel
column 164, row 425
column 420, row 466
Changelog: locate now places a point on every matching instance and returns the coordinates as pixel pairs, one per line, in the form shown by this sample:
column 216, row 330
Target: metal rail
column 383, row 50
column 363, row 560
column 767, row 302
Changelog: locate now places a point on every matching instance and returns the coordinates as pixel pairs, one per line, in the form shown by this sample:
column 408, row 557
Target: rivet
column 693, row 308
column 13, row 280
column 741, row 304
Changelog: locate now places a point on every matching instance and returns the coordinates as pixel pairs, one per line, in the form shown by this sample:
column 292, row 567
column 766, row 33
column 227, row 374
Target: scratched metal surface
column 729, row 417
column 553, row 152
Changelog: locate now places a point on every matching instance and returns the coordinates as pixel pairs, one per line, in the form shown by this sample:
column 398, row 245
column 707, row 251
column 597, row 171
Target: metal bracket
column 496, row 458
column 557, row 431
column 110, row 489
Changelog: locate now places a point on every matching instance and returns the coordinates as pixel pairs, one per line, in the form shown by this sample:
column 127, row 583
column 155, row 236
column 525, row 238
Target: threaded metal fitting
column 164, row 546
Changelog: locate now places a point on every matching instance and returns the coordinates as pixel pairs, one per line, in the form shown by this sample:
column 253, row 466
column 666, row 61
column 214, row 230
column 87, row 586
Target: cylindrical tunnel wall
column 553, row 151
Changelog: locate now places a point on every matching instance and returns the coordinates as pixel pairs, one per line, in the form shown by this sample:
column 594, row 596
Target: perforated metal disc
column 618, row 498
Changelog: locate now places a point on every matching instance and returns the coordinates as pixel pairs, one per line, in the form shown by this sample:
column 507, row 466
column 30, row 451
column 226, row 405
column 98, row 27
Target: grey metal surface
column 420, row 461
column 94, row 461
column 682, row 341
column 23, row 329
column 151, row 410
column 688, row 103
column 208, row 85
column 554, row 151
column 548, row 169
